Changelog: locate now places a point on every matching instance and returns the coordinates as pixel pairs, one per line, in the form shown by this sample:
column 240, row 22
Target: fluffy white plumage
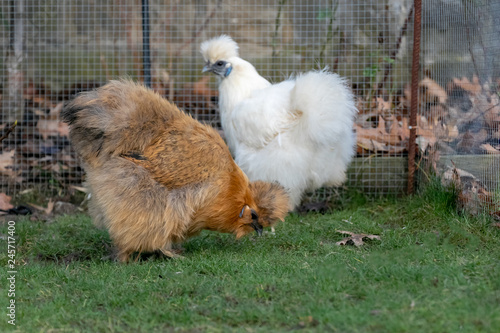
column 298, row 132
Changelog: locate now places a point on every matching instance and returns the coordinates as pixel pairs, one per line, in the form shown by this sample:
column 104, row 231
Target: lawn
column 432, row 270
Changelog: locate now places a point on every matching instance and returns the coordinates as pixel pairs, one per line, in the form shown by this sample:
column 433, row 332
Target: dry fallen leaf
column 371, row 145
column 7, row 165
column 473, row 87
column 197, row 94
column 378, row 134
column 470, row 142
column 397, row 129
column 5, row 202
column 202, row 88
column 492, row 114
column 48, row 210
column 383, row 106
column 50, row 125
column 79, row 188
column 7, row 161
column 356, row 239
column 48, row 128
column 432, row 91
column 472, row 193
column 486, row 147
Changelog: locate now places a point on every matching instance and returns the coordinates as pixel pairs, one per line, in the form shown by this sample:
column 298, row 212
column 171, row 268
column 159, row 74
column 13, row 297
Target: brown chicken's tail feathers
column 272, row 201
column 105, row 121
column 222, row 47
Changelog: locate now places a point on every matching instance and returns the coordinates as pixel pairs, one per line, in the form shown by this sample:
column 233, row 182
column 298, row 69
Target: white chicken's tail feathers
column 327, row 106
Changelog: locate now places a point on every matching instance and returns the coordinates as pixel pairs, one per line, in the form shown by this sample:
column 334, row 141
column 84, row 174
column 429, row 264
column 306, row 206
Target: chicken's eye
column 254, row 215
column 220, row 63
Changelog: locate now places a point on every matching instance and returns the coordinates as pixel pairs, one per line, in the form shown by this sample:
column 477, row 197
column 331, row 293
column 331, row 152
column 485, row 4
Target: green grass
column 432, row 271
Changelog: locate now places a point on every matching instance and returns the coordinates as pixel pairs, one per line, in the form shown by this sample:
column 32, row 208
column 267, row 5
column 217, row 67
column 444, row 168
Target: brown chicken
column 157, row 176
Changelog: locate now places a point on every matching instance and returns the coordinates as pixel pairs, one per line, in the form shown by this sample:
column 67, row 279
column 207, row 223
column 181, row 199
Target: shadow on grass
column 70, row 239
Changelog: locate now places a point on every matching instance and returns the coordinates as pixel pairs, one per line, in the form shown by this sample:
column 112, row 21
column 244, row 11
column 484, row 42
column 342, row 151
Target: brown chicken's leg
column 172, row 253
column 124, row 256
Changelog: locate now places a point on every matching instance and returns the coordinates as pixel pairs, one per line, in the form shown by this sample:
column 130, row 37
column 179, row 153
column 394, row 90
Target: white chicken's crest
column 219, row 48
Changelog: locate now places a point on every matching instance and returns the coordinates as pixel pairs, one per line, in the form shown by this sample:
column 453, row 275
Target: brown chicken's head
column 272, row 200
column 248, row 222
column 272, row 205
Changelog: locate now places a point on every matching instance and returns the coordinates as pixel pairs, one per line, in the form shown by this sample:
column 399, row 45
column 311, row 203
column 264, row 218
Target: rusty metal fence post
column 415, row 69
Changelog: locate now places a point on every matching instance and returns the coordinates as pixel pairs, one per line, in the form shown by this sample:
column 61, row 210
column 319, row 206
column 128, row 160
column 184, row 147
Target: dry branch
column 8, row 131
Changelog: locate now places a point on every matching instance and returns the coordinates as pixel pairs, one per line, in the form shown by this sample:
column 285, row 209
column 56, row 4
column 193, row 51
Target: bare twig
column 483, row 113
column 277, row 23
column 402, row 32
column 13, row 80
column 469, row 37
column 476, row 68
column 8, row 131
column 200, row 29
column 329, row 34
column 186, row 44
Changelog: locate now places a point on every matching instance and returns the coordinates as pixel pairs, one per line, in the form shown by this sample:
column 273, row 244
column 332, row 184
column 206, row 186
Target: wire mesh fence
column 459, row 97
column 51, row 50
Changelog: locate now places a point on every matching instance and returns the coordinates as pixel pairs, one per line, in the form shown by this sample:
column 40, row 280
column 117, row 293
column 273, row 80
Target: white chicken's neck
column 239, row 85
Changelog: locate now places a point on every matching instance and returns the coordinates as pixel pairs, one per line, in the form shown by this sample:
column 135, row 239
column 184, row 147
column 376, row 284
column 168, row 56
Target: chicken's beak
column 257, row 227
column 207, row 68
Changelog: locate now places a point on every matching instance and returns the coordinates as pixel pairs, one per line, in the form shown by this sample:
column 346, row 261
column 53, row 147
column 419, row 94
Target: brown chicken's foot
column 318, row 207
column 172, row 253
column 111, row 257
column 138, row 256
column 123, row 257
column 271, row 232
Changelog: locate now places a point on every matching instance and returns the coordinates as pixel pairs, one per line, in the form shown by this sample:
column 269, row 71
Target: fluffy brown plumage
column 157, row 176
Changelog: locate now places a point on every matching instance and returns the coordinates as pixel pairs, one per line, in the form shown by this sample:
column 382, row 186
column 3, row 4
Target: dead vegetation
column 461, row 118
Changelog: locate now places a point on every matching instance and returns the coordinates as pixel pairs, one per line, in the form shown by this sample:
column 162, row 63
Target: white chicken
column 298, row 132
